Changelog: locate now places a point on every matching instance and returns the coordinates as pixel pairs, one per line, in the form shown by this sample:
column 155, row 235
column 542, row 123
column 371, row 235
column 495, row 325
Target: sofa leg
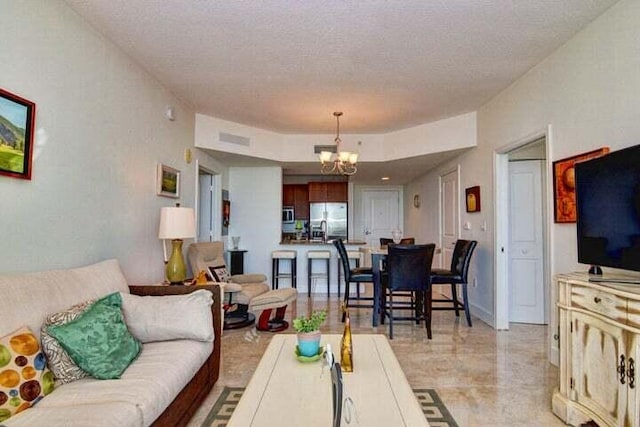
column 277, row 324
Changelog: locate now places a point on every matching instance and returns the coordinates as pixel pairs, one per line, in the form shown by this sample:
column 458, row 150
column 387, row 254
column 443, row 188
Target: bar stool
column 319, row 255
column 276, row 258
column 351, row 255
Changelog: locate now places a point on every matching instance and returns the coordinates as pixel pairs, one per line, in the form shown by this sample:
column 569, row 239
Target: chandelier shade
column 344, row 162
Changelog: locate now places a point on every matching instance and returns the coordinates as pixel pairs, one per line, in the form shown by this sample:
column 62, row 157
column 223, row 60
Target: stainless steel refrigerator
column 336, row 216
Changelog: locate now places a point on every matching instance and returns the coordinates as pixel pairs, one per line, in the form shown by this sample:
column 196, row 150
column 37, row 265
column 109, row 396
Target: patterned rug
column 434, row 410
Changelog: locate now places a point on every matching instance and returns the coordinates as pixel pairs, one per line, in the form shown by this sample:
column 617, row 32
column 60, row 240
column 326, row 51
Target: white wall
column 101, row 129
column 588, row 90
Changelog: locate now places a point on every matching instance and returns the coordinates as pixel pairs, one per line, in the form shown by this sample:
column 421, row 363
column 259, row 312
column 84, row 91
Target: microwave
column 288, row 216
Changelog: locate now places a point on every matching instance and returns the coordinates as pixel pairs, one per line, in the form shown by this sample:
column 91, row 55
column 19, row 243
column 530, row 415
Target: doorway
column 381, row 213
column 523, row 232
column 208, row 205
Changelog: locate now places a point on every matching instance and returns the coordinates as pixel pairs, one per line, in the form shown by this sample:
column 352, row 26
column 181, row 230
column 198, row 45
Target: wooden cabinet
column 296, row 195
column 599, row 349
column 328, row 192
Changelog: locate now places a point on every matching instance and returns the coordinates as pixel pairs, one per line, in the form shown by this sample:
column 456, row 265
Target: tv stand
column 595, row 270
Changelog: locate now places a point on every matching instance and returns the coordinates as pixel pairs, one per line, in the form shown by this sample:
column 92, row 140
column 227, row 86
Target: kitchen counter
column 319, row 242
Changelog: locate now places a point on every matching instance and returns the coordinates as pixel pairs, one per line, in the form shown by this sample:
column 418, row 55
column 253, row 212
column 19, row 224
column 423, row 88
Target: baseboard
column 483, row 315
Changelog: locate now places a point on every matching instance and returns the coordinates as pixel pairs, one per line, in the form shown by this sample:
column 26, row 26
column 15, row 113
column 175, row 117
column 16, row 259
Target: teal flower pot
column 309, row 343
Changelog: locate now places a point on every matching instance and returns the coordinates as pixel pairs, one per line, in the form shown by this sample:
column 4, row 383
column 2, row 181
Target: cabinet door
column 337, row 192
column 597, row 348
column 317, row 192
column 302, row 201
column 633, row 398
column 288, row 195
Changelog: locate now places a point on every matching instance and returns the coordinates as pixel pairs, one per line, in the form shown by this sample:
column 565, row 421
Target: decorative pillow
column 24, row 376
column 219, row 273
column 63, row 367
column 98, row 340
column 170, row 317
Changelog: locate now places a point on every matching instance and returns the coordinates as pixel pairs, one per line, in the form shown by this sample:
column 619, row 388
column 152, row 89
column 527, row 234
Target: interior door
column 205, row 207
column 526, row 244
column 381, row 212
column 449, row 223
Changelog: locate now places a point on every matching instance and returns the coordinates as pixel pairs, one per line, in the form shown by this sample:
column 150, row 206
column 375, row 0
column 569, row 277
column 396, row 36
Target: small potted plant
column 308, row 329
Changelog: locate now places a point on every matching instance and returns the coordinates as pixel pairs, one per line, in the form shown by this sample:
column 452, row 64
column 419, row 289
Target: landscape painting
column 17, row 117
column 168, row 181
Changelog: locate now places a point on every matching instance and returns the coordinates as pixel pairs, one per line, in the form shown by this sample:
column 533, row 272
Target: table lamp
column 176, row 224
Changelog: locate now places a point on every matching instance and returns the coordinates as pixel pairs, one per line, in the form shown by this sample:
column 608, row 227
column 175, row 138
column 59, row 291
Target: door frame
column 216, row 207
column 501, row 227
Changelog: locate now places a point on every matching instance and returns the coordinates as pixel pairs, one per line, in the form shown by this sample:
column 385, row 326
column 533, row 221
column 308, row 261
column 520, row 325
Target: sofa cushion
column 99, row 414
column 155, row 378
column 171, row 317
column 24, row 376
column 52, row 291
column 98, row 340
column 61, row 364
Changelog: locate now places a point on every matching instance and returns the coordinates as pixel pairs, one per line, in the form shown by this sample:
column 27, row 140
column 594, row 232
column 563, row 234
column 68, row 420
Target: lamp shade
column 177, row 223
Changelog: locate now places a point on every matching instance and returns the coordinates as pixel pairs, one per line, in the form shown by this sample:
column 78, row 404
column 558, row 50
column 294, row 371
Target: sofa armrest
column 248, row 278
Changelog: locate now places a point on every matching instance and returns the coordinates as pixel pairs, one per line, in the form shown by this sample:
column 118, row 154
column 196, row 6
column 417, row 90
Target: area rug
column 434, row 410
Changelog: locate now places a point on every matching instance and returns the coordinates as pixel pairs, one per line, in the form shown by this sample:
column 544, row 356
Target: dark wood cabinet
column 328, row 192
column 297, row 195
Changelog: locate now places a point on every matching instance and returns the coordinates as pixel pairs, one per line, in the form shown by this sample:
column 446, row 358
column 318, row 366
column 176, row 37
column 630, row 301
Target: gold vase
column 346, row 345
column 176, row 270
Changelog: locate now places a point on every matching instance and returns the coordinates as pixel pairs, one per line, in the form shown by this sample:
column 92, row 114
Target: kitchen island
column 304, row 245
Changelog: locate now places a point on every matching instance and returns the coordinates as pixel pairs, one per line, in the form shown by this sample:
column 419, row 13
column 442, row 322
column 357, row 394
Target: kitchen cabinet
column 297, row 195
column 328, row 192
column 599, row 333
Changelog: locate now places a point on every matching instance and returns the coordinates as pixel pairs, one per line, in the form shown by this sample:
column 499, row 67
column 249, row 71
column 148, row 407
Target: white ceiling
column 288, row 65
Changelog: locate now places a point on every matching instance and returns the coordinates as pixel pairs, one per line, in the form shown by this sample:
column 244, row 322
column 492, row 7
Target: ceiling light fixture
column 344, row 162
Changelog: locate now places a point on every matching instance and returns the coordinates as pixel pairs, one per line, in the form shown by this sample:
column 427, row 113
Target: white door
column 449, row 224
column 526, row 245
column 449, row 216
column 205, row 207
column 381, row 213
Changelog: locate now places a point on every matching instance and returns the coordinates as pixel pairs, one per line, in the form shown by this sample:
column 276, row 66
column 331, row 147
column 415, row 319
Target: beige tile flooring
column 485, row 377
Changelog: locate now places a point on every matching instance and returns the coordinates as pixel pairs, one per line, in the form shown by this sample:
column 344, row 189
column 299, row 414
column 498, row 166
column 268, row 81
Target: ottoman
column 265, row 303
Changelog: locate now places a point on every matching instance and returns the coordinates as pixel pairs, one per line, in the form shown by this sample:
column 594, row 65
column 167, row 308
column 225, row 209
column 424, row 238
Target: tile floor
column 485, row 377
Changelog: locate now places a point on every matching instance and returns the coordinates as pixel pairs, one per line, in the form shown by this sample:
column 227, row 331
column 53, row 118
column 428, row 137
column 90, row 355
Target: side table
column 236, row 259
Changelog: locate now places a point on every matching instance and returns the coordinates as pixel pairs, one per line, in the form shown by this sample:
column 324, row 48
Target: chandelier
column 344, row 162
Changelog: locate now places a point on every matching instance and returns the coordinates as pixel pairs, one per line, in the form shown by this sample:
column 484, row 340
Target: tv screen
column 608, row 210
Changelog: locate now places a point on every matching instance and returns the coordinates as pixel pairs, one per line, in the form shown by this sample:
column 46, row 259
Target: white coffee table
column 286, row 392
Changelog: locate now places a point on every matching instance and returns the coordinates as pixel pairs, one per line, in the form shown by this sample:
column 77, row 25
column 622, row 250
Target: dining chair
column 356, row 275
column 460, row 261
column 385, row 241
column 409, row 269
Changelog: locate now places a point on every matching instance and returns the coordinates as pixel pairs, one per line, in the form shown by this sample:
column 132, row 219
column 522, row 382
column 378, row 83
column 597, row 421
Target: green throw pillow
column 98, row 340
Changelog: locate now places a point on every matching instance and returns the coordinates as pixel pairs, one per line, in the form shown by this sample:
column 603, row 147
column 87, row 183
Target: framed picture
column 226, row 212
column 168, row 181
column 17, row 121
column 564, row 192
column 473, row 198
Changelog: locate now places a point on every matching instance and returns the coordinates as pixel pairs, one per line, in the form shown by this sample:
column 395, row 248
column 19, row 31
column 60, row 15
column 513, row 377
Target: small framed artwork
column 168, row 181
column 473, row 198
column 17, row 121
column 564, row 191
column 226, row 212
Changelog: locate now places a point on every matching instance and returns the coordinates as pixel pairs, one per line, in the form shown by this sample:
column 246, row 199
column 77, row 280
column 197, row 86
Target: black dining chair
column 460, row 261
column 408, row 269
column 356, row 275
column 385, row 241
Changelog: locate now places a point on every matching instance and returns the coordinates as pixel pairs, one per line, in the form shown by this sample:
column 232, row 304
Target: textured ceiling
column 287, row 65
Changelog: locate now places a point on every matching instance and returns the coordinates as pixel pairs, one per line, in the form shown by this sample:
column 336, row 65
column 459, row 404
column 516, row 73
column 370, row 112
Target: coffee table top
column 286, row 392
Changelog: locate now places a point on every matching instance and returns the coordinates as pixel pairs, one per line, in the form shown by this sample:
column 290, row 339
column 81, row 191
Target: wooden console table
column 599, row 352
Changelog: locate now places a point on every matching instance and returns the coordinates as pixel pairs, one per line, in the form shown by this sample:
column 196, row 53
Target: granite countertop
column 318, row 242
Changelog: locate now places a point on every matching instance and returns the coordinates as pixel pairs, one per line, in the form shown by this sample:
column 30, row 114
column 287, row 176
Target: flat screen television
column 608, row 210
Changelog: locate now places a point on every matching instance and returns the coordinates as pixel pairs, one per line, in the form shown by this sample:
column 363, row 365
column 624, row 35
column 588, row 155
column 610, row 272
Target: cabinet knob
column 597, row 300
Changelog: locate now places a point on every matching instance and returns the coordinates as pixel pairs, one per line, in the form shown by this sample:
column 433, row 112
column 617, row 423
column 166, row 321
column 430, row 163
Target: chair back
column 344, row 258
column 461, row 258
column 409, row 266
column 203, row 255
column 385, row 241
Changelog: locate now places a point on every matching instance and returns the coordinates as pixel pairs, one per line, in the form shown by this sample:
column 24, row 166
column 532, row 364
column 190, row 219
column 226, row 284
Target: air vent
column 234, row 139
column 317, row 149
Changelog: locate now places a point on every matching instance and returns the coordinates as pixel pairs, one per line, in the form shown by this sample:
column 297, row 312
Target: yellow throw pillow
column 24, row 376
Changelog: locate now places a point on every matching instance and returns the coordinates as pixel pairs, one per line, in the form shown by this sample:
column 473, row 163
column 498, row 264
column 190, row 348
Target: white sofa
column 162, row 387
